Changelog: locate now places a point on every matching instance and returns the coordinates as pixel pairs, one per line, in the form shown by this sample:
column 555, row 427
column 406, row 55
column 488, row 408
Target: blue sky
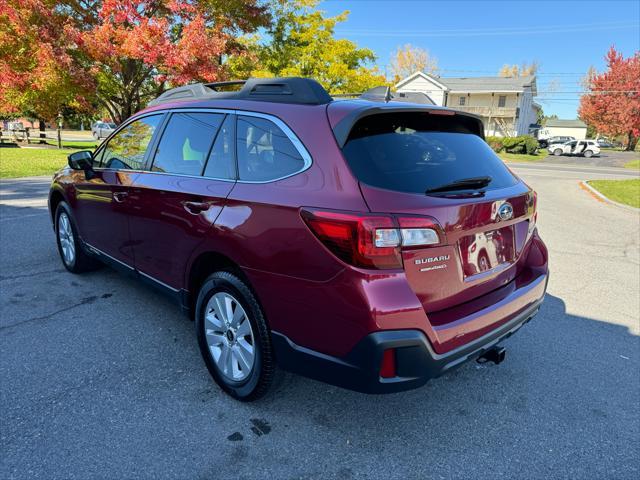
column 475, row 38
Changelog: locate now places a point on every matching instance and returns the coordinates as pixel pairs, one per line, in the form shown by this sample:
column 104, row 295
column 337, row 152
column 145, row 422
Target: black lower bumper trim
column 416, row 362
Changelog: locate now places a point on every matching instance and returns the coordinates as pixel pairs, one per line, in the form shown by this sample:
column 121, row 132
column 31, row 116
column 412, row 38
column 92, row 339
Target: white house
column 505, row 104
column 565, row 128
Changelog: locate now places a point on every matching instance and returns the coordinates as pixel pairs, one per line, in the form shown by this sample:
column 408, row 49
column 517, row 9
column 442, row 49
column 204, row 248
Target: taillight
column 534, row 212
column 419, row 231
column 371, row 240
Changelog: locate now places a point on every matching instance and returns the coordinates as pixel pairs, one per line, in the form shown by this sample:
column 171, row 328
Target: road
column 101, row 376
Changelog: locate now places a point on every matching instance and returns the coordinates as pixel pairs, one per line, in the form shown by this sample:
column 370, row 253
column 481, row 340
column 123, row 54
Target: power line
column 467, row 32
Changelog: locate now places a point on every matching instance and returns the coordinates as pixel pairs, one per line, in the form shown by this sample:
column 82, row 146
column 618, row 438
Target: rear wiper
column 464, row 184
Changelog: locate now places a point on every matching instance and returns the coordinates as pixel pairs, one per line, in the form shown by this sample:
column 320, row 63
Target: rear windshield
column 414, row 152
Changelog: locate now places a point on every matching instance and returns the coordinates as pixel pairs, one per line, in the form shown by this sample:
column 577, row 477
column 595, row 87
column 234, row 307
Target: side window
column 186, row 142
column 462, row 101
column 127, row 148
column 221, row 163
column 264, row 150
column 502, row 101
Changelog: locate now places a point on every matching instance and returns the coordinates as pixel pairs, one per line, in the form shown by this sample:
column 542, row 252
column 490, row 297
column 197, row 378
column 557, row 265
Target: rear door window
column 186, row 142
column 264, row 151
column 221, row 162
column 415, row 152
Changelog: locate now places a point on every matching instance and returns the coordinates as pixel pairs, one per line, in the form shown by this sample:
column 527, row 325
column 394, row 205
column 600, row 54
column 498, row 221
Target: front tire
column 233, row 337
column 557, row 152
column 72, row 253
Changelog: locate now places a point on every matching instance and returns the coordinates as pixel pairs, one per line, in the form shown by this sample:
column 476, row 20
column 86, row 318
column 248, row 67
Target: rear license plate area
column 485, row 251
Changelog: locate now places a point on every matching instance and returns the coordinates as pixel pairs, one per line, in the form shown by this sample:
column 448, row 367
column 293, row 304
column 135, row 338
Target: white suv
column 586, row 148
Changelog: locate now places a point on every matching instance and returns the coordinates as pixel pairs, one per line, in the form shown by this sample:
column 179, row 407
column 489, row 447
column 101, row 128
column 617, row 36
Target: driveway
column 101, row 377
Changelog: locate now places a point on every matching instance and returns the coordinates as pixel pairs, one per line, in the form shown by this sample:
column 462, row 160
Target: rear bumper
column 416, row 361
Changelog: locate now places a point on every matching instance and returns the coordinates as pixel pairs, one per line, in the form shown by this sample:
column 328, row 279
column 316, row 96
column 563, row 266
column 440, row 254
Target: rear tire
column 70, row 247
column 557, row 152
column 233, row 337
column 588, row 154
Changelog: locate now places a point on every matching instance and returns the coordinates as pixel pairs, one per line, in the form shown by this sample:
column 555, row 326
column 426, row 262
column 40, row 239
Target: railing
column 487, row 111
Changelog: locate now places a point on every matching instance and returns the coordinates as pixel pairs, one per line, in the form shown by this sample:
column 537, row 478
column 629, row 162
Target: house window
column 462, row 101
column 502, row 101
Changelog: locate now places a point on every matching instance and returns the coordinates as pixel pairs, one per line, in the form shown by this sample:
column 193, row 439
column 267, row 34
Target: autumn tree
column 136, row 47
column 408, row 59
column 523, row 70
column 301, row 42
column 612, row 104
column 116, row 53
column 39, row 69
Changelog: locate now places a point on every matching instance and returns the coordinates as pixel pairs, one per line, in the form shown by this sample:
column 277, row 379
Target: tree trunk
column 42, row 127
column 633, row 141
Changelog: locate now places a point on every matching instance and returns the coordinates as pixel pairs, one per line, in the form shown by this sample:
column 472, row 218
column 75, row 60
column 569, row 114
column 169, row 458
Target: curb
column 601, row 197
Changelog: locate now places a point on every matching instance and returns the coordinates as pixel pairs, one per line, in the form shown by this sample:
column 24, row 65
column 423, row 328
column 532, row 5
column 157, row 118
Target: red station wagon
column 369, row 243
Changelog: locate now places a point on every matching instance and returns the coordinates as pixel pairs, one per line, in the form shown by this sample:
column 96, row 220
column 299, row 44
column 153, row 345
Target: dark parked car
column 604, row 143
column 336, row 239
column 544, row 143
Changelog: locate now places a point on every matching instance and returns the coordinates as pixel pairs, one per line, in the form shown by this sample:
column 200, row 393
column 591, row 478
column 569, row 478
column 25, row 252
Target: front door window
column 126, row 150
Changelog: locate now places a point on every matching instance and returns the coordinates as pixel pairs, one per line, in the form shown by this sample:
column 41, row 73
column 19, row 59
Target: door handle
column 120, row 196
column 196, row 207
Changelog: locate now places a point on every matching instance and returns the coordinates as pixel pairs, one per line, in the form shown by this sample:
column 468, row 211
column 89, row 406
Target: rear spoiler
column 343, row 128
column 384, row 94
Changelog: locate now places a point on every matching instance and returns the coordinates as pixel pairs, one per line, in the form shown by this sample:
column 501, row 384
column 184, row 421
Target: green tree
column 301, row 42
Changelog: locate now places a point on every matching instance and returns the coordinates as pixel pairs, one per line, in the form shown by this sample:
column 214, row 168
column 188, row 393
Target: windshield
column 415, row 152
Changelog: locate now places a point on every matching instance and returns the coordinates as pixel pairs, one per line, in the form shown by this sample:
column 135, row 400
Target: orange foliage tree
column 612, row 104
column 116, row 53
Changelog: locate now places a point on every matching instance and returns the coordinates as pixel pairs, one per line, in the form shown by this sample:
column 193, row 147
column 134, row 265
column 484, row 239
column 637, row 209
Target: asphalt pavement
column 101, row 377
column 606, row 158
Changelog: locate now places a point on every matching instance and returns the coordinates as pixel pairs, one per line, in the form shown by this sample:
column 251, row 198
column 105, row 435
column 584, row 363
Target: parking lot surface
column 607, row 158
column 101, row 377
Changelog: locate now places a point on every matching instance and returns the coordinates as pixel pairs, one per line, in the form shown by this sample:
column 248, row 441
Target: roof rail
column 297, row 90
column 384, row 94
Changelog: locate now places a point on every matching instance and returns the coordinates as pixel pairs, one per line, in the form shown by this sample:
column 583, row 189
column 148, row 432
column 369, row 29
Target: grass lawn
column 517, row 157
column 623, row 191
column 633, row 164
column 26, row 162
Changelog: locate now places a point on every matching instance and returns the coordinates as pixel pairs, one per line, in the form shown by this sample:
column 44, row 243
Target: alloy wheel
column 67, row 242
column 229, row 336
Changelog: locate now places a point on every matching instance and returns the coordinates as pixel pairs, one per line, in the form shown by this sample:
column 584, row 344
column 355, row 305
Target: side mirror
column 82, row 160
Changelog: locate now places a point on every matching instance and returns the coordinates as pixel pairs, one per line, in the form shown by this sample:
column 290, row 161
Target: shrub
column 522, row 144
column 531, row 144
column 495, row 143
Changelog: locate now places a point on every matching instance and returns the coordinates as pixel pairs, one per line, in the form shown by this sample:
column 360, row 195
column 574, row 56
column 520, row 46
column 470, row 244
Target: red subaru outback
column 368, row 243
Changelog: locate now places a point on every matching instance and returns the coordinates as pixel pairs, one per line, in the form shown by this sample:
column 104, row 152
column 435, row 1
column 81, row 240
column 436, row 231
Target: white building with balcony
column 505, row 104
